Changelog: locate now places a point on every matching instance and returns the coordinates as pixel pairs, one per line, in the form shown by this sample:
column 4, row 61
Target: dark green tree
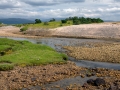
column 38, row 21
column 52, row 20
column 64, row 21
column 76, row 22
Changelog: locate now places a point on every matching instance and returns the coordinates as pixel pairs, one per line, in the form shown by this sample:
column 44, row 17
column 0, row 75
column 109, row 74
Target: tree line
column 76, row 20
column 82, row 20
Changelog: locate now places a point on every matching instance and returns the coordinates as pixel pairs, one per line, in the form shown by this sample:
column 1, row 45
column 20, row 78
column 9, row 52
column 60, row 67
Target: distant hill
column 15, row 21
column 109, row 21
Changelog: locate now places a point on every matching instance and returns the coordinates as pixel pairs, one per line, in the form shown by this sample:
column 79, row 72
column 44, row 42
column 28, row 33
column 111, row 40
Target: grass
column 24, row 28
column 24, row 53
column 49, row 25
column 1, row 24
column 103, row 52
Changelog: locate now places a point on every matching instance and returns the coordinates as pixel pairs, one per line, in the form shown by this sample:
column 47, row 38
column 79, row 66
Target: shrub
column 38, row 21
column 18, row 25
column 23, row 29
column 64, row 21
column 46, row 23
column 76, row 22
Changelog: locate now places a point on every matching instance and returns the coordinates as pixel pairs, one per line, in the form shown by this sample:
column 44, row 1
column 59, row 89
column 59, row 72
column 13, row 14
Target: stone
column 85, row 85
column 99, row 82
column 90, row 81
column 112, row 87
column 33, row 79
column 15, row 80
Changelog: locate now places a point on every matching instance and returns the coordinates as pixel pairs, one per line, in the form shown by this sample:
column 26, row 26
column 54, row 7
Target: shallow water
column 61, row 84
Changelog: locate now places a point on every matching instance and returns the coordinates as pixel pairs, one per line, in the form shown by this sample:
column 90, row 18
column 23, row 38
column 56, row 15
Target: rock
column 112, row 87
column 96, row 82
column 90, row 81
column 89, row 75
column 15, row 80
column 99, row 82
column 85, row 85
column 23, row 80
column 33, row 79
column 44, row 68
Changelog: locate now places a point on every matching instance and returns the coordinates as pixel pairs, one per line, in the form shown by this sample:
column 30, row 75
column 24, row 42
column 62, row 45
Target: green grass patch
column 24, row 28
column 3, row 47
column 4, row 67
column 25, row 53
column 48, row 25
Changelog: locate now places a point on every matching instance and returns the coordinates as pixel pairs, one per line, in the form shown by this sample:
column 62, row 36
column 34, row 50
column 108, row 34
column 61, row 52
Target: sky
column 44, row 9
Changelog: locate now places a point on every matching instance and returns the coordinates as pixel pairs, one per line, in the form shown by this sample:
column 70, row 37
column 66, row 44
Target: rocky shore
column 36, row 75
column 25, row 77
column 100, row 51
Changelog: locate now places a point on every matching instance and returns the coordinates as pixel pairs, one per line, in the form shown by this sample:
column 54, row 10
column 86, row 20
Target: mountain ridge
column 15, row 21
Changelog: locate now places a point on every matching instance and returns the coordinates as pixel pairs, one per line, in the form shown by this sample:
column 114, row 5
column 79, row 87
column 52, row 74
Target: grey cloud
column 50, row 2
column 117, row 0
column 6, row 6
column 9, row 4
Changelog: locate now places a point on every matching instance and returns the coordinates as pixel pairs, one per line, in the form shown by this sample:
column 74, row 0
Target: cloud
column 106, row 9
column 117, row 0
column 9, row 4
column 50, row 2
